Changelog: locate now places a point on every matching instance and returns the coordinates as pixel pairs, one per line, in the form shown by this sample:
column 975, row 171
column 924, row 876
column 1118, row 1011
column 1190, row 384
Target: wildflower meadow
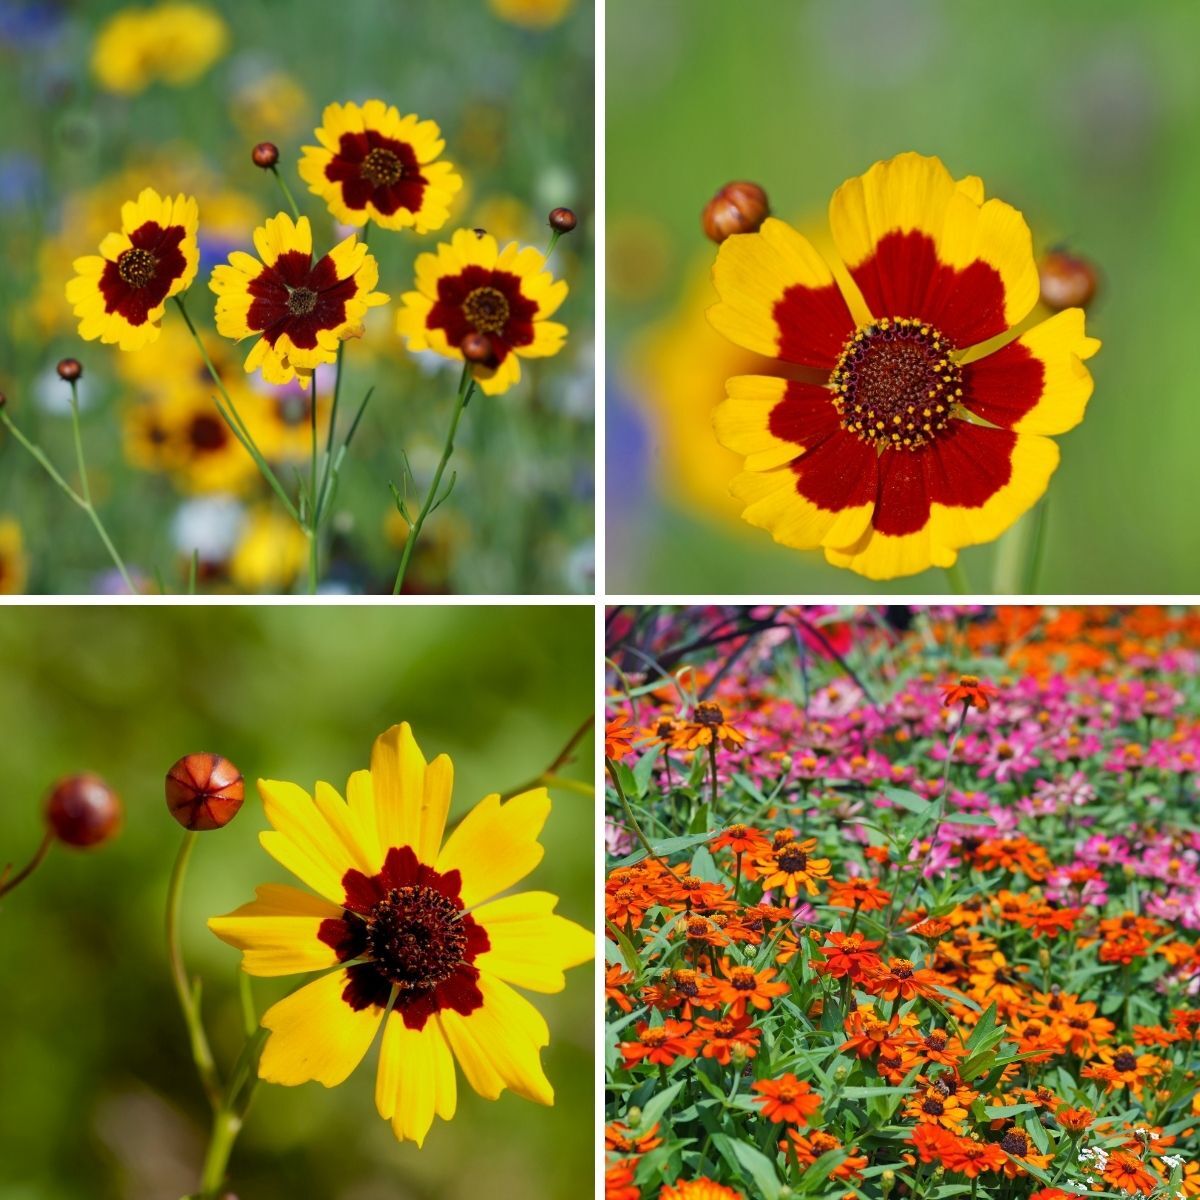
column 902, row 902
column 298, row 300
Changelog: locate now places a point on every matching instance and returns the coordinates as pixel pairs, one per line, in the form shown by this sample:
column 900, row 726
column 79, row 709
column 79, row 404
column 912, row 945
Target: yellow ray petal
column 277, row 931
column 415, row 1079
column 531, row 946
column 411, row 797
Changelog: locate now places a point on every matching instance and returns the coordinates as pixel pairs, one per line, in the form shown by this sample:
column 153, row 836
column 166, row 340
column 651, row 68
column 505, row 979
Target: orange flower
column 810, row 1146
column 1122, row 1066
column 862, row 894
column 969, row 691
column 849, row 955
column 615, row 980
column 790, row 866
column 660, row 1044
column 743, row 985
column 1017, row 1146
column 739, row 839
column 1126, row 1173
column 1075, row 1120
column 901, row 979
column 620, row 1138
column 698, row 1189
column 969, row 1157
column 721, row 1035
column 931, row 1107
column 618, row 1181
column 618, row 738
column 786, row 1100
column 707, row 726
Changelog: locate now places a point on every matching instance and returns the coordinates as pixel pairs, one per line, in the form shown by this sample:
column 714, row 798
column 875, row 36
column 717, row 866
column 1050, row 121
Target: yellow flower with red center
column 173, row 43
column 300, row 310
column 920, row 442
column 375, row 165
column 495, row 301
column 120, row 294
column 433, row 951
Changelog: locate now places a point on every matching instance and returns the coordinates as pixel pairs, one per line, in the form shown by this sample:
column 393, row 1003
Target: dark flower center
column 902, row 968
column 933, row 1106
column 743, row 979
column 206, row 433
column 895, row 383
column 1013, row 1142
column 709, row 714
column 301, row 301
column 487, row 309
column 1125, row 1061
column 416, row 936
column 791, row 859
column 381, row 167
column 136, row 267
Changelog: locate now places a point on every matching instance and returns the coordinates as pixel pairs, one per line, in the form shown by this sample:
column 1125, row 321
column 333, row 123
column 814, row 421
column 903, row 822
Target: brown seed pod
column 70, row 369
column 562, row 220
column 1067, row 280
column 204, row 791
column 477, row 348
column 265, row 155
column 738, row 207
column 82, row 810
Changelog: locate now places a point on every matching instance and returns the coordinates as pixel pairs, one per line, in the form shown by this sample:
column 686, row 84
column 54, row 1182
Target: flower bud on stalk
column 204, row 791
column 477, row 348
column 265, row 155
column 1067, row 280
column 562, row 220
column 82, row 810
column 70, row 369
column 737, row 208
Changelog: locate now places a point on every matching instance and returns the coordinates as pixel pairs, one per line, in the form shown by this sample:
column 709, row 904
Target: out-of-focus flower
column 434, row 952
column 119, row 295
column 531, row 14
column 270, row 101
column 971, row 691
column 270, row 553
column 375, row 165
column 470, row 288
column 883, row 468
column 14, row 565
column 165, row 43
column 302, row 310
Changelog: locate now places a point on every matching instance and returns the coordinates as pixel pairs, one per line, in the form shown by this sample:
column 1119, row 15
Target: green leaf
column 654, row 1108
column 909, row 800
column 643, row 770
column 668, row 846
column 752, row 1161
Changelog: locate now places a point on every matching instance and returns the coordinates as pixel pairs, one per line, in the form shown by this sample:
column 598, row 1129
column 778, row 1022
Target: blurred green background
column 514, row 97
column 1084, row 114
column 98, row 1095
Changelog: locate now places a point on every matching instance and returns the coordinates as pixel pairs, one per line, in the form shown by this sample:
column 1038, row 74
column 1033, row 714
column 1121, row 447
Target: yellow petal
column 411, row 797
column 415, row 1079
column 531, row 946
column 277, row 932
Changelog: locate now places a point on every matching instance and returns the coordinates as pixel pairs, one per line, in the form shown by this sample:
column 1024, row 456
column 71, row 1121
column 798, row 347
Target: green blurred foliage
column 516, row 109
column 98, row 1095
column 1084, row 114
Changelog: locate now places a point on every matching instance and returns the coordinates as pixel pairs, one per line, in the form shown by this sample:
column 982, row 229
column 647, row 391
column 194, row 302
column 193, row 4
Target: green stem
column 234, row 420
column 225, row 1129
column 7, row 884
column 287, row 192
column 333, row 412
column 637, row 829
column 466, row 387
column 314, row 547
column 1033, row 565
column 188, row 999
column 957, row 578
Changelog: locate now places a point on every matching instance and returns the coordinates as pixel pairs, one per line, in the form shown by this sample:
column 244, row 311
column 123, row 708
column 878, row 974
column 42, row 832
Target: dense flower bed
column 902, row 902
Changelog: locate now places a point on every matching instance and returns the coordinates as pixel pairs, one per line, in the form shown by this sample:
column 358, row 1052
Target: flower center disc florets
column 895, row 383
column 486, row 309
column 708, row 713
column 136, row 266
column 301, row 301
column 381, row 167
column 415, row 936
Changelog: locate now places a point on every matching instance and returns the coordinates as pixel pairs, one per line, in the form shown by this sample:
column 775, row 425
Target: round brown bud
column 83, row 810
column 70, row 369
column 477, row 348
column 737, row 208
column 1067, row 280
column 265, row 155
column 204, row 791
column 562, row 220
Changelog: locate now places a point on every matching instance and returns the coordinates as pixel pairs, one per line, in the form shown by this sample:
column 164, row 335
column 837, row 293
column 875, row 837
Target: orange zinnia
column 707, row 726
column 850, row 955
column 786, row 1100
column 1126, row 1172
column 790, row 866
column 618, row 738
column 969, row 691
column 862, row 894
column 743, row 985
column 901, row 979
column 932, row 1107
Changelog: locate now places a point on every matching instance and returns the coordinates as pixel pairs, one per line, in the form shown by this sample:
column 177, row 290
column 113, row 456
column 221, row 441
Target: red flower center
column 895, row 383
column 207, row 433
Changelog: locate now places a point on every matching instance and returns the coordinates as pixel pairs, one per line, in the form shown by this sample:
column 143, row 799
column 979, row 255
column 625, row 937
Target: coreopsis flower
column 299, row 309
column 969, row 691
column 786, row 1100
column 433, row 951
column 494, row 300
column 164, row 43
column 917, row 444
column 13, row 560
column 375, row 165
column 119, row 295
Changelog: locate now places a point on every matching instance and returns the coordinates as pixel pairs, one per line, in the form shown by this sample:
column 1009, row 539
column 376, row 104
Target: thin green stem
column 7, row 884
column 555, row 234
column 79, row 459
column 287, row 192
column 314, row 547
column 202, row 1054
column 225, row 1129
column 1033, row 566
column 633, row 824
column 333, row 414
column 234, row 420
column 466, row 387
column 957, row 578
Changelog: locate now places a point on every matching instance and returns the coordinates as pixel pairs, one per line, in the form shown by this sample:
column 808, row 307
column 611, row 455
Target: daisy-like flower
column 497, row 301
column 708, row 725
column 300, row 310
column 791, row 866
column 920, row 442
column 375, row 165
column 431, row 946
column 970, row 691
column 786, row 1100
column 119, row 295
column 697, row 1189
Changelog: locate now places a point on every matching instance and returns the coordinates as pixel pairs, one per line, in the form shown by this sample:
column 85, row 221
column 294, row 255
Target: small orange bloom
column 851, row 955
column 698, row 1189
column 786, row 1100
column 660, row 1044
column 791, row 867
column 863, row 894
column 970, row 691
column 1075, row 1120
column 743, row 985
column 707, row 726
column 900, row 978
column 931, row 1107
column 618, row 738
column 1126, row 1173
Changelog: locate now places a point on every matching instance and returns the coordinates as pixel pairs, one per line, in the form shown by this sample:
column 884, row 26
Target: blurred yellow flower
column 273, row 101
column 270, row 553
column 531, row 14
column 495, row 302
column 165, row 43
column 13, row 562
column 119, row 295
column 375, row 165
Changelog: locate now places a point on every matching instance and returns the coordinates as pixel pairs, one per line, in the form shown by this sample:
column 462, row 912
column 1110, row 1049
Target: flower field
column 902, row 902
